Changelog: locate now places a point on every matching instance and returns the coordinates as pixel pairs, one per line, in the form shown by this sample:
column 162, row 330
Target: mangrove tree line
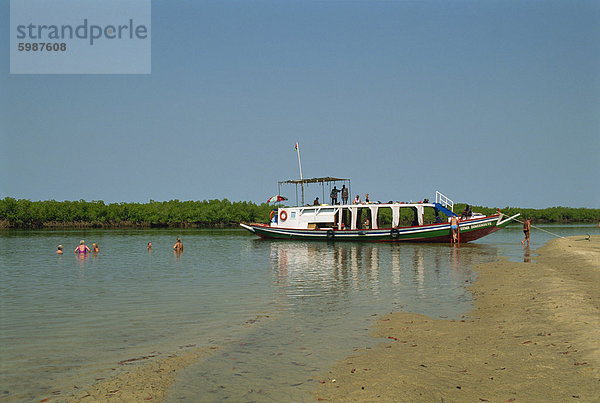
column 22, row 213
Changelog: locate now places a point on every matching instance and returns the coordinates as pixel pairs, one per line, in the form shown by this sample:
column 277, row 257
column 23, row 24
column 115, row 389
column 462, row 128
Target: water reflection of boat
column 304, row 269
column 376, row 222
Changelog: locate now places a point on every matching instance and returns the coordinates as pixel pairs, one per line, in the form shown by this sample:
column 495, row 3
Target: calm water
column 281, row 312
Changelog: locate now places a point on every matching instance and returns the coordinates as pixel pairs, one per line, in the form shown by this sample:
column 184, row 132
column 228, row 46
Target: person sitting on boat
column 467, row 213
column 316, row 202
column 356, row 200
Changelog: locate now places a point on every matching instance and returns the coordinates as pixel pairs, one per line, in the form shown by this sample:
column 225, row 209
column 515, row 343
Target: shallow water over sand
column 280, row 312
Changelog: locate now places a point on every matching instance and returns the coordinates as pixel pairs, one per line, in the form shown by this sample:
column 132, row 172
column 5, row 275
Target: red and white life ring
column 271, row 215
column 283, row 215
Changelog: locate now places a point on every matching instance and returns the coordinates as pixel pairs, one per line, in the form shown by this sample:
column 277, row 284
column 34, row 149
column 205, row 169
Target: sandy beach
column 534, row 335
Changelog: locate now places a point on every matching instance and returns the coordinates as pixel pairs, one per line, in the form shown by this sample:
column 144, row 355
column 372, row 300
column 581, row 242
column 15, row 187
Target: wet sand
column 534, row 335
column 146, row 378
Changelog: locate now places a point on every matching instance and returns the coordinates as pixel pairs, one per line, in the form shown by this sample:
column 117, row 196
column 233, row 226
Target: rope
column 541, row 229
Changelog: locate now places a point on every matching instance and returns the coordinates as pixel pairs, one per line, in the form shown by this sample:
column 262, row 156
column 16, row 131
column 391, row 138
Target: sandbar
column 145, row 378
column 533, row 335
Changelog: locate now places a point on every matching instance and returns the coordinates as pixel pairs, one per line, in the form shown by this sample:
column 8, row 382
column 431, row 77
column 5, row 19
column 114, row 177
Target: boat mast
column 300, row 166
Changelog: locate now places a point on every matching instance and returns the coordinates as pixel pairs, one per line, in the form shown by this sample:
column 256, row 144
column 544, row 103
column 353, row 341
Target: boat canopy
column 328, row 180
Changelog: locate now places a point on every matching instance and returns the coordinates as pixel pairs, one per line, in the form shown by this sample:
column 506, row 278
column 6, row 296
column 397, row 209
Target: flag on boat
column 274, row 199
column 296, row 147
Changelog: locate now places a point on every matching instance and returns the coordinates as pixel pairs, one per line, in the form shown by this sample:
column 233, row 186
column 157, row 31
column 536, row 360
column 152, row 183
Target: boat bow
column 502, row 223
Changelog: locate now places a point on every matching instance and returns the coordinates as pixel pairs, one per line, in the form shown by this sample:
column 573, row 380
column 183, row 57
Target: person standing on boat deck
column 454, row 228
column 316, row 202
column 526, row 230
column 356, row 200
column 367, row 198
column 345, row 195
column 334, row 193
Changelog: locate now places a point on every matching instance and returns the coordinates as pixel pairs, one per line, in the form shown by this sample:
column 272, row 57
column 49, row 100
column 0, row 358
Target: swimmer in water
column 82, row 249
column 59, row 251
column 178, row 247
column 95, row 248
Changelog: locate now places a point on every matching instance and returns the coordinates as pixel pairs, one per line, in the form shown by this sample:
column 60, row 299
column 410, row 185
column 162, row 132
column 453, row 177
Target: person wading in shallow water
column 178, row 247
column 454, row 228
column 82, row 249
column 526, row 230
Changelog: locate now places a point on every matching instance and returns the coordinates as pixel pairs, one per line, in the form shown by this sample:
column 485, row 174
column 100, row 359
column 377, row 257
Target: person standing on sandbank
column 526, row 230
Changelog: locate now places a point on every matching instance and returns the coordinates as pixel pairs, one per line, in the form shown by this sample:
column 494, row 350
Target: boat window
column 384, row 217
column 430, row 216
column 293, row 214
column 407, row 216
column 326, row 211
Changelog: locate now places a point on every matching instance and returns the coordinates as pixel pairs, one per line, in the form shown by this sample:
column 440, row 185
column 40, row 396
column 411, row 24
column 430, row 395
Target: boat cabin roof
column 326, row 179
column 363, row 205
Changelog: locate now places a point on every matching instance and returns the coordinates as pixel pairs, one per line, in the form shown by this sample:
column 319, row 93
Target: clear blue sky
column 493, row 103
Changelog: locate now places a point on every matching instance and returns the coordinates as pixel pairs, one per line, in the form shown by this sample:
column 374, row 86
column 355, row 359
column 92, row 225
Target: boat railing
column 444, row 201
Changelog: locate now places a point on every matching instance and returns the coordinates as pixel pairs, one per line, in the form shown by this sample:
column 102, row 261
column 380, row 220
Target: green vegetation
column 563, row 215
column 213, row 213
column 21, row 213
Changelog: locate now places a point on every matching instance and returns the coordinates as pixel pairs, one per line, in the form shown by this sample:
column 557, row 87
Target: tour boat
column 365, row 222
